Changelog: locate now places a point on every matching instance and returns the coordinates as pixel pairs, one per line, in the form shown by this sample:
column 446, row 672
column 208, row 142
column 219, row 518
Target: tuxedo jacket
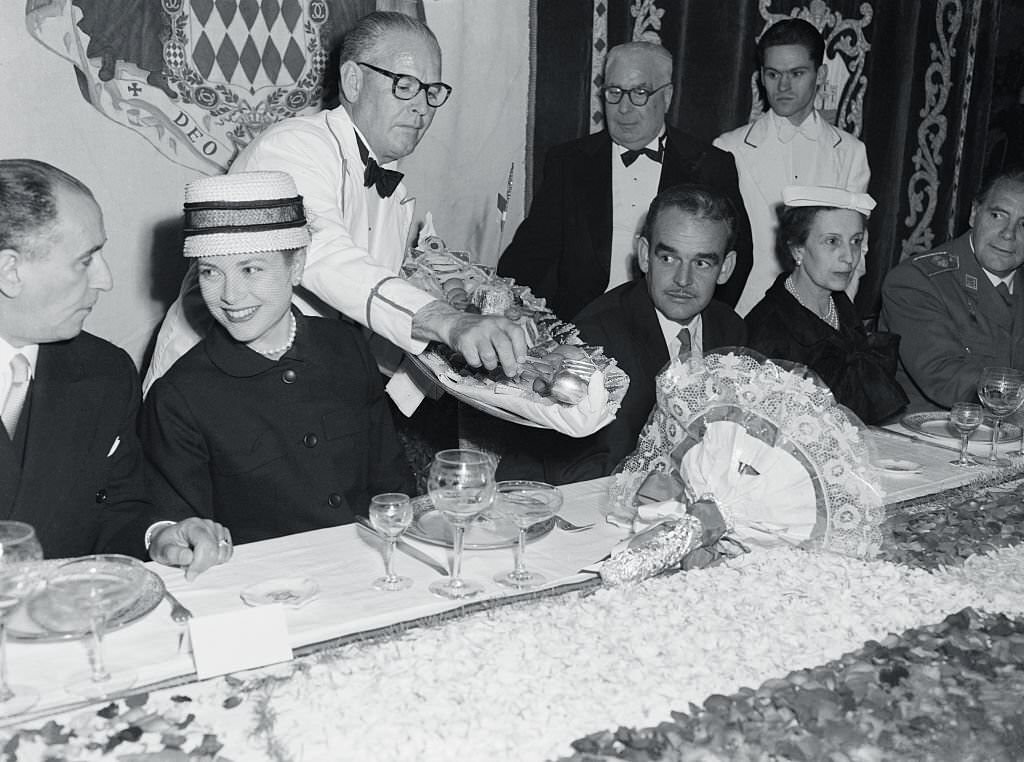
column 75, row 469
column 624, row 322
column 562, row 250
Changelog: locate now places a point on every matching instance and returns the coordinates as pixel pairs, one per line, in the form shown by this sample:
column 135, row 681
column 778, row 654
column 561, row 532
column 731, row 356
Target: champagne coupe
column 525, row 503
column 391, row 514
column 20, row 576
column 82, row 597
column 965, row 418
column 461, row 485
column 1001, row 390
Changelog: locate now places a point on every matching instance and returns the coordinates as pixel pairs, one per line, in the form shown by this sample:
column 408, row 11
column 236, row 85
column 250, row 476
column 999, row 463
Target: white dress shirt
column 670, row 331
column 633, row 189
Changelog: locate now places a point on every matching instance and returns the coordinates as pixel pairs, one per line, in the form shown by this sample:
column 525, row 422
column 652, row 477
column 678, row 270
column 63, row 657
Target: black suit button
column 334, row 500
column 288, row 376
column 310, row 440
column 101, row 496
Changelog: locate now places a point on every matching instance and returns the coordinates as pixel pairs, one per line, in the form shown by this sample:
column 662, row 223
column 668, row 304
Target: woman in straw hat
column 276, row 422
column 806, row 318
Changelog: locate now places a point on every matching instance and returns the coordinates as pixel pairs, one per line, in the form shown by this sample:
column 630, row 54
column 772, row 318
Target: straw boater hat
column 243, row 213
column 820, row 195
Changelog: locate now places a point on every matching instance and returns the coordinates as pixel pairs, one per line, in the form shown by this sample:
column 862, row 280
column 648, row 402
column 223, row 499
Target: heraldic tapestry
column 198, row 78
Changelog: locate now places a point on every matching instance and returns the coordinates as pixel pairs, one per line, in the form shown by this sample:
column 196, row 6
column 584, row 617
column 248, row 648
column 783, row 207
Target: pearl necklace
column 281, row 350
column 830, row 315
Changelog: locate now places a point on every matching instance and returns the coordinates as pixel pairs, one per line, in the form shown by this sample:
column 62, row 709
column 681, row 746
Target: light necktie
column 20, row 377
column 684, row 343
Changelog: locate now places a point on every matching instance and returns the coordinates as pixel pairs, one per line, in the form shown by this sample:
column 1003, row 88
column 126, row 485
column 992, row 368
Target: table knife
column 408, row 549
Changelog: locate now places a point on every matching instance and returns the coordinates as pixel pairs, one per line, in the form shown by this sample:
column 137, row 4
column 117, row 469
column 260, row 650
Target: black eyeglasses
column 638, row 96
column 405, row 87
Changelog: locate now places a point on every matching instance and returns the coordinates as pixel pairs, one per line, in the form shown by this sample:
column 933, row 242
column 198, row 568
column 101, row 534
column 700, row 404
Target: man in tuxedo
column 580, row 236
column 791, row 144
column 70, row 461
column 685, row 251
column 960, row 307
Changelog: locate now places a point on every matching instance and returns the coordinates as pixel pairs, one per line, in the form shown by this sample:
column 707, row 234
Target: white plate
column 897, row 466
column 936, row 424
column 293, row 592
column 487, row 532
column 23, row 629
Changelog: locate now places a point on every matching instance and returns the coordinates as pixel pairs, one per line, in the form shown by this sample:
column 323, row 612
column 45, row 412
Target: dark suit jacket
column 80, row 496
column 623, row 321
column 270, row 448
column 562, row 250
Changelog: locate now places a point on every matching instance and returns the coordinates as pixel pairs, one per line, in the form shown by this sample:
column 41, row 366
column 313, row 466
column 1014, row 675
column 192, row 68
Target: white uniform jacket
column 765, row 168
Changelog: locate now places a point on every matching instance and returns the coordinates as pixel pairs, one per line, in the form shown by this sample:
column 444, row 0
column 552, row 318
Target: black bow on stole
column 385, row 180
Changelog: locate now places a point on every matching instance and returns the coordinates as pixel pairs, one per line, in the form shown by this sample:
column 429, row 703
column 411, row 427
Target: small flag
column 502, row 205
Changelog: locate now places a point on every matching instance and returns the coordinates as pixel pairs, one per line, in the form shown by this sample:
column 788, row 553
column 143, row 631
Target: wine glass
column 461, row 485
column 390, row 514
column 20, row 576
column 82, row 597
column 965, row 418
column 1001, row 390
column 525, row 503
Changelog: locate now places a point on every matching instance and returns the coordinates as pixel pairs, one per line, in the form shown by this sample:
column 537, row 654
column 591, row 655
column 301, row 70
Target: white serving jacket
column 351, row 264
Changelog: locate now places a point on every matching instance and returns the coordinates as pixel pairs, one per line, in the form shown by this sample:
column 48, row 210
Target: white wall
column 457, row 171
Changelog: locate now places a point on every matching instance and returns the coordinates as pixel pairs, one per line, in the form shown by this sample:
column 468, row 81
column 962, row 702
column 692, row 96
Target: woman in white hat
column 276, row 422
column 806, row 317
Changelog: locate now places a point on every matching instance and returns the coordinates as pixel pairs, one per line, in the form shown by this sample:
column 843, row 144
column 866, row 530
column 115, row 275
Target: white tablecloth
column 343, row 561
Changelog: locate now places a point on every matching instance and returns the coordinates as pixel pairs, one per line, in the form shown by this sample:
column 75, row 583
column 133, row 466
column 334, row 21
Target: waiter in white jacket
column 359, row 212
column 791, row 144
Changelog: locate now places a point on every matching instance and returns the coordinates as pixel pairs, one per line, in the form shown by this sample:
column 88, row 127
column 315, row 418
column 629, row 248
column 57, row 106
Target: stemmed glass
column 965, row 417
column 1001, row 390
column 391, row 514
column 82, row 596
column 525, row 503
column 20, row 576
column 461, row 485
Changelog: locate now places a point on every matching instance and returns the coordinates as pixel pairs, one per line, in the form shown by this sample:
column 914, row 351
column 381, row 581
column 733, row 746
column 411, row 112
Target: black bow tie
column 385, row 180
column 628, row 157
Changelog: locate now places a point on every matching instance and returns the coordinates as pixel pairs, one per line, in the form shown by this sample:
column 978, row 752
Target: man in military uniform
column 960, row 308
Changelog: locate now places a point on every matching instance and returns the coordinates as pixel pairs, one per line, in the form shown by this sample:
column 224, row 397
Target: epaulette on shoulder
column 935, row 262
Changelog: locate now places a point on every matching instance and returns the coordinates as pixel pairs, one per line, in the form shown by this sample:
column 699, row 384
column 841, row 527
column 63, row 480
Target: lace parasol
column 768, row 443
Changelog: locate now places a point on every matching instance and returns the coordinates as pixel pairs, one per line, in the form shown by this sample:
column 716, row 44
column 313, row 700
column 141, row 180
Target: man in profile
column 70, row 461
column 960, row 307
column 791, row 144
column 343, row 162
column 686, row 250
column 579, row 239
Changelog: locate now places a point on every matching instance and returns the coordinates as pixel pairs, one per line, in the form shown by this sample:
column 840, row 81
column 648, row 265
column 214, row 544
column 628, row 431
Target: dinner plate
column 936, row 423
column 487, row 532
column 23, row 629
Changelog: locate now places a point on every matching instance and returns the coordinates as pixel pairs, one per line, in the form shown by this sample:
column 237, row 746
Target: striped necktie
column 684, row 343
column 20, row 378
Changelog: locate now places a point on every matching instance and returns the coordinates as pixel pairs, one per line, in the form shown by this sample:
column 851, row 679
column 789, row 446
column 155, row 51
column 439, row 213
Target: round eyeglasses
column 638, row 96
column 405, row 87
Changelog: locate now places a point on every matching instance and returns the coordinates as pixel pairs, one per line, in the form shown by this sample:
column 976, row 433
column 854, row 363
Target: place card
column 237, row 640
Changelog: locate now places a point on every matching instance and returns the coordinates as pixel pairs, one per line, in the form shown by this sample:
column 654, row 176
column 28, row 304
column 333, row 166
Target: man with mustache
column 791, row 144
column 685, row 251
column 580, row 237
column 70, row 461
column 960, row 307
column 359, row 212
